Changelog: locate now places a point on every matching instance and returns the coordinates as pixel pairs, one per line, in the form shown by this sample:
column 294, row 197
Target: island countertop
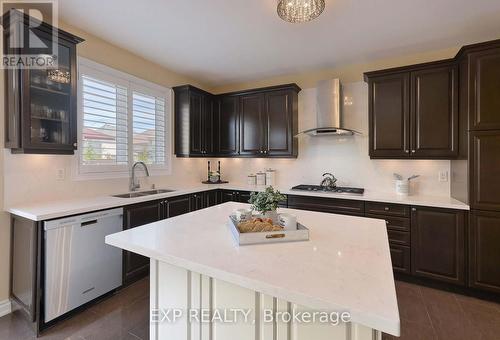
column 345, row 266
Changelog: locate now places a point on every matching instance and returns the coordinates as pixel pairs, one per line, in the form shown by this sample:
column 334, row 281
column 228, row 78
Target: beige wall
column 346, row 73
column 100, row 51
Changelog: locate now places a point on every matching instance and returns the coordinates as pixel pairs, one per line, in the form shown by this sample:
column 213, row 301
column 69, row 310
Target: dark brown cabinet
column 194, row 123
column 438, row 244
column 40, row 105
column 197, row 201
column 484, row 87
column 434, row 112
column 137, row 266
column 397, row 219
column 252, row 142
column 485, row 169
column 234, row 196
column 211, row 198
column 400, row 257
column 252, row 123
column 389, row 116
column 484, row 250
column 413, row 112
column 330, row 205
column 176, row 206
column 226, row 118
column 268, row 123
column 280, row 121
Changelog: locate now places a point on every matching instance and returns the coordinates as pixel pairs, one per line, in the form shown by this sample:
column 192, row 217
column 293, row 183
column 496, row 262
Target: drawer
column 399, row 237
column 330, row 205
column 394, row 223
column 387, row 209
column 400, row 256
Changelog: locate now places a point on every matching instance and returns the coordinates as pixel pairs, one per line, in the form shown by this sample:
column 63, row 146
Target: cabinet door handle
column 386, row 208
column 412, row 151
column 413, row 209
column 407, row 151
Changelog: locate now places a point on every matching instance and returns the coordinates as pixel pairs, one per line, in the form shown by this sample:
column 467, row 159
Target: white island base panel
column 176, row 288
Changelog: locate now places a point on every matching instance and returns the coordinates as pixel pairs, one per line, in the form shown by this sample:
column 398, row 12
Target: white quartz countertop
column 345, row 266
column 41, row 211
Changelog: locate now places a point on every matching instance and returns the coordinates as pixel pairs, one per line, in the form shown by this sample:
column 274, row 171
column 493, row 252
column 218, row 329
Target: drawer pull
column 83, row 224
column 276, row 236
column 386, row 208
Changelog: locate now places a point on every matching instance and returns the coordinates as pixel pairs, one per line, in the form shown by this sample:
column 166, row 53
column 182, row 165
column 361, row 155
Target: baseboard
column 5, row 307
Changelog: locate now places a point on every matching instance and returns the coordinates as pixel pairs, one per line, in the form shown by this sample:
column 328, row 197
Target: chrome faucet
column 329, row 181
column 134, row 184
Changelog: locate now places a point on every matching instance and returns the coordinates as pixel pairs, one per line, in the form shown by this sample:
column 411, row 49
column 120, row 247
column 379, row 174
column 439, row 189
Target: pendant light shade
column 296, row 11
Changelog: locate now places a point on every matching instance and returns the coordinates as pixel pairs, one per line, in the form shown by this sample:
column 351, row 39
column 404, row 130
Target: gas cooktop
column 336, row 190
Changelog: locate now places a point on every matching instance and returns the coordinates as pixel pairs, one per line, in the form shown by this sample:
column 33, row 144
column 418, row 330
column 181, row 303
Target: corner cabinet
column 193, row 122
column 252, row 123
column 40, row 105
column 413, row 112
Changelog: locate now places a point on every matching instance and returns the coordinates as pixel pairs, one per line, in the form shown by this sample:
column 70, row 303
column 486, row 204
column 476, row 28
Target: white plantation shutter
column 104, row 133
column 148, row 121
column 122, row 120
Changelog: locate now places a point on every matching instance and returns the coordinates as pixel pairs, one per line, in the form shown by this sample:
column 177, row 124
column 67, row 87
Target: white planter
column 273, row 215
column 403, row 187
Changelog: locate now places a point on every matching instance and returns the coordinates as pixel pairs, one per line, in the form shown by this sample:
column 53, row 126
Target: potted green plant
column 266, row 202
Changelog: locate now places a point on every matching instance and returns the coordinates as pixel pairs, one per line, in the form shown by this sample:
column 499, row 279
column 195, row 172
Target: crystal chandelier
column 296, row 11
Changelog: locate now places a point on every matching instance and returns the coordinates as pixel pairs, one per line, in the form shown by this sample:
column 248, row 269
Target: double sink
column 143, row 193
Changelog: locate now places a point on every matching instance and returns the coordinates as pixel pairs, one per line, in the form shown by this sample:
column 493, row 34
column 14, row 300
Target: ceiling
column 218, row 42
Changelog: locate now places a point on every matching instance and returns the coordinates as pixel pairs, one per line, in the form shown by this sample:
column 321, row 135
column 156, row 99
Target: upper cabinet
column 482, row 79
column 41, row 103
column 227, row 125
column 252, row 123
column 194, row 122
column 389, row 119
column 413, row 112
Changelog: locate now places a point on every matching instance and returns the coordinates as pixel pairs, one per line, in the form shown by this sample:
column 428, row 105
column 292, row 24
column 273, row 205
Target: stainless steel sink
column 128, row 195
column 143, row 193
column 155, row 192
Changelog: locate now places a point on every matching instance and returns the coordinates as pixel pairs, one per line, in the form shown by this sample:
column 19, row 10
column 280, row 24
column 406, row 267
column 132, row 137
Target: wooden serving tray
column 301, row 234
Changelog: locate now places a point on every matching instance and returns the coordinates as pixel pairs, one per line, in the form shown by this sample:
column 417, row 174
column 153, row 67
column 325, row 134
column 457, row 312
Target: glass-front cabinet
column 41, row 105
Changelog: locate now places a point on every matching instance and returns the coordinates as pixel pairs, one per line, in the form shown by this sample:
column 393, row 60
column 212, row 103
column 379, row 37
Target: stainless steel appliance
column 329, row 120
column 79, row 266
column 337, row 190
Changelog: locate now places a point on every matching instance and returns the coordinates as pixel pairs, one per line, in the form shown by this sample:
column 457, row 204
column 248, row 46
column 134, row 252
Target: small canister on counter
column 252, row 179
column 270, row 177
column 261, row 178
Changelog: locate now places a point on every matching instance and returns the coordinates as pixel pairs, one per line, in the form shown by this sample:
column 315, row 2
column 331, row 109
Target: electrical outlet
column 443, row 176
column 60, row 174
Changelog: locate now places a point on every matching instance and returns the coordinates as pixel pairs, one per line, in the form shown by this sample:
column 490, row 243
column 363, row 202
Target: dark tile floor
column 425, row 314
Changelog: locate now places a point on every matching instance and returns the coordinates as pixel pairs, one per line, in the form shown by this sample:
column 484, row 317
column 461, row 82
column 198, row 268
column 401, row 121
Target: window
column 122, row 120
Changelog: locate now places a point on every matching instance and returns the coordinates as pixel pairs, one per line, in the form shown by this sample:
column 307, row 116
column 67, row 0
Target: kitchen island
column 204, row 286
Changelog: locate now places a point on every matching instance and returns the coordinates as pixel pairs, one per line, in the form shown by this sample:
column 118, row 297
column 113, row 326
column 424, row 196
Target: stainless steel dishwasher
column 79, row 266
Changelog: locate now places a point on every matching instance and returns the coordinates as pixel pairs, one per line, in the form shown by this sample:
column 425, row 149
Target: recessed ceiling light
column 296, row 11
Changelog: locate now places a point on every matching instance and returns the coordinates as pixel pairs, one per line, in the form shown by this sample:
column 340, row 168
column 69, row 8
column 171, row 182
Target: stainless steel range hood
column 329, row 110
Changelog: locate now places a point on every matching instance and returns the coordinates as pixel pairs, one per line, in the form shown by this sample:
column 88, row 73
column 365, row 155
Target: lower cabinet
column 484, row 250
column 136, row 266
column 211, row 198
column 400, row 256
column 330, row 205
column 438, row 244
column 398, row 232
column 197, row 201
column 176, row 206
